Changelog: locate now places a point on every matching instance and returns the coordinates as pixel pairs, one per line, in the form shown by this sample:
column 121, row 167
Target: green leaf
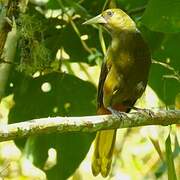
column 53, row 4
column 71, row 150
column 65, row 4
column 169, row 160
column 131, row 4
column 162, row 16
column 54, row 94
column 157, row 147
column 68, row 39
column 166, row 88
column 79, row 9
column 154, row 39
column 93, row 7
column 163, row 165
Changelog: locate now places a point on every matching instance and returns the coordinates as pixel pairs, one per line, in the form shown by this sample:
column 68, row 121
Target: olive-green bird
column 123, row 78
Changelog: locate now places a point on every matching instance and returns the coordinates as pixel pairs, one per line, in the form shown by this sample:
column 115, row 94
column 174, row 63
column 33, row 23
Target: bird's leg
column 115, row 112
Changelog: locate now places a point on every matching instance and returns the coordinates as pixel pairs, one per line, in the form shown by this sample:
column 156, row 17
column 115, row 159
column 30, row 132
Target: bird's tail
column 103, row 150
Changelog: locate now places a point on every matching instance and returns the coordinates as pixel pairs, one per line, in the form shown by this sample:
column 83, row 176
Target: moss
column 33, row 55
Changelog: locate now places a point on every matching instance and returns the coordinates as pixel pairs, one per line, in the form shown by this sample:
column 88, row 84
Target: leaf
column 79, row 9
column 166, row 88
column 53, row 4
column 163, row 165
column 131, row 4
column 70, row 41
column 169, row 160
column 54, row 94
column 71, row 149
column 162, row 16
column 64, row 4
column 67, row 39
column 93, row 7
column 157, row 147
column 154, row 39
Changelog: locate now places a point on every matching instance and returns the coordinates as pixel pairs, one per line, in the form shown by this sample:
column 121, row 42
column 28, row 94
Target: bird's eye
column 110, row 13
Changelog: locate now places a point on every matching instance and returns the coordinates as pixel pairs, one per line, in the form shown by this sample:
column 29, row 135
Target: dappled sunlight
column 83, row 71
column 50, row 64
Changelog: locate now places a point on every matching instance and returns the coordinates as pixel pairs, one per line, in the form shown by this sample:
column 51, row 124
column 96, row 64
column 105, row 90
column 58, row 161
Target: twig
column 7, row 56
column 137, row 10
column 175, row 74
column 8, row 62
column 88, row 123
column 167, row 66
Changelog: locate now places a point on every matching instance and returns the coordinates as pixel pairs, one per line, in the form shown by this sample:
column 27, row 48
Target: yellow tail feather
column 103, row 151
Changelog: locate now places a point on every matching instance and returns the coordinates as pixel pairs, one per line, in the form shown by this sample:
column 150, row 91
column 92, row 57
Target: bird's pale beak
column 96, row 20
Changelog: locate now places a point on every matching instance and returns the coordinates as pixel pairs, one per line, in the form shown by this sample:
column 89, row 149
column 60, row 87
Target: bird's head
column 115, row 20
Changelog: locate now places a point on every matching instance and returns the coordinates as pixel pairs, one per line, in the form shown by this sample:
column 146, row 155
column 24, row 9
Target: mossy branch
column 7, row 56
column 88, row 123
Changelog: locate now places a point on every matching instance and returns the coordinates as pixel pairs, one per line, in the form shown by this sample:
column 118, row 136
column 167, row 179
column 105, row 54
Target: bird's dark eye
column 110, row 13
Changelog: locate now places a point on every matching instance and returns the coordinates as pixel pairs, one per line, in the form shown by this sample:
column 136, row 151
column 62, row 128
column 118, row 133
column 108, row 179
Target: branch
column 8, row 55
column 8, row 38
column 88, row 123
column 8, row 41
column 137, row 10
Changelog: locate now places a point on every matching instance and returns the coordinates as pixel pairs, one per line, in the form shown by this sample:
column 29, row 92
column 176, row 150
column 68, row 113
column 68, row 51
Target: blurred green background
column 50, row 65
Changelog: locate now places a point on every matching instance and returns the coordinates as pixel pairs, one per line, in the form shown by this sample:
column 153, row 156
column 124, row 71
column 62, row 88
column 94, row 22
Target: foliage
column 51, row 40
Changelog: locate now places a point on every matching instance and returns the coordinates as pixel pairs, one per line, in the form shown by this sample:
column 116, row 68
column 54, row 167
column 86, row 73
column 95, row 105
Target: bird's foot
column 117, row 113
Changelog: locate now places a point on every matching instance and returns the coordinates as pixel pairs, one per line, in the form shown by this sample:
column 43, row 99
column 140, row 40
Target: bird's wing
column 103, row 75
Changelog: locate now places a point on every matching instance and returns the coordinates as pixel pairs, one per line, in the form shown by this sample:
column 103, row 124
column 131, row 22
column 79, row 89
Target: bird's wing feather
column 103, row 75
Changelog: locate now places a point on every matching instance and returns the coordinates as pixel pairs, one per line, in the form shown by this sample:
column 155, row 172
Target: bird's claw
column 117, row 113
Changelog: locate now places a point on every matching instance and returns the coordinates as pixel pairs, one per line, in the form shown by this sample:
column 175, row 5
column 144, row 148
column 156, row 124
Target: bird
column 123, row 78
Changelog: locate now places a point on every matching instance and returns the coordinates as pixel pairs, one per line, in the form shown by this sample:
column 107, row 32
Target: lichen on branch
column 88, row 123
